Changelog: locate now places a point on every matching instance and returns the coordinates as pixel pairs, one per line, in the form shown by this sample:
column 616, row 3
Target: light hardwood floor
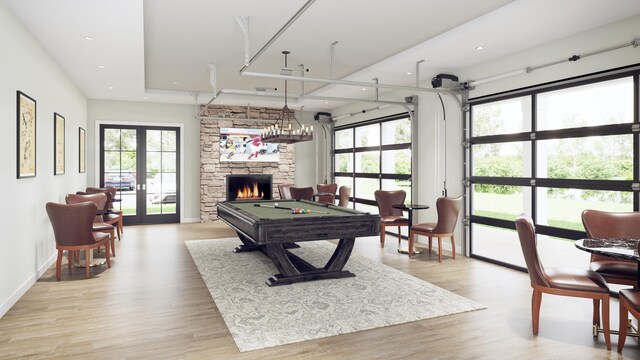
column 153, row 304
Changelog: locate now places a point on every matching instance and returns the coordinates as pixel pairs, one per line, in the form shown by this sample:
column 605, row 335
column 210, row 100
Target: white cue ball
column 276, row 204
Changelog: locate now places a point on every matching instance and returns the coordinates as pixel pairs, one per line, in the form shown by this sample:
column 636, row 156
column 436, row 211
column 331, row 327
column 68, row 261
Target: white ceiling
column 158, row 50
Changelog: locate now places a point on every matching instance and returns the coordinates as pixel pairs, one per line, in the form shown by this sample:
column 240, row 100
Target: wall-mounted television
column 237, row 144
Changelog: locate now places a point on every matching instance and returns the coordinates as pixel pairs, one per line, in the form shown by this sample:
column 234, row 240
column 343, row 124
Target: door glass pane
column 344, row 139
column 111, row 139
column 603, row 103
column 368, row 162
column 502, row 117
column 111, row 161
column 500, row 201
column 128, row 161
column 368, row 135
column 595, row 158
column 563, row 207
column 366, row 187
column 497, row 243
column 120, row 166
column 128, row 141
column 396, row 162
column 396, row 132
column 502, row 159
column 344, row 162
column 161, row 171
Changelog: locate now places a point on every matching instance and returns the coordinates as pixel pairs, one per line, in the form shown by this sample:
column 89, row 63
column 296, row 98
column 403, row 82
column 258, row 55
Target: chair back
column 301, row 193
column 110, row 191
column 448, row 211
column 327, row 188
column 72, row 223
column 527, row 235
column 605, row 224
column 100, row 199
column 284, row 191
column 344, row 193
column 386, row 199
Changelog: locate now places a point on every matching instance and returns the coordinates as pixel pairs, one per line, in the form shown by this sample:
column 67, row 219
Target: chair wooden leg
column 118, row 231
column 453, row 247
column 107, row 252
column 399, row 237
column 69, row 260
column 381, row 235
column 439, row 249
column 411, row 235
column 536, row 301
column 596, row 312
column 430, row 244
column 622, row 330
column 112, row 238
column 59, row 265
column 86, row 261
column 605, row 321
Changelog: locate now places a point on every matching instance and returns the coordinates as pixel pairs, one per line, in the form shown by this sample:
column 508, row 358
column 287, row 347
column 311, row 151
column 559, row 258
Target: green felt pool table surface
column 265, row 210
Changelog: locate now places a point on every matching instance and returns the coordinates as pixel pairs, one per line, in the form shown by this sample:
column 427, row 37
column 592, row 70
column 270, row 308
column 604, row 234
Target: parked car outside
column 162, row 188
column 119, row 181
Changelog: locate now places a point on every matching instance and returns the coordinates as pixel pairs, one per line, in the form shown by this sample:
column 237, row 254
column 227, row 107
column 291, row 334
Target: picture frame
column 82, row 150
column 58, row 144
column 25, row 136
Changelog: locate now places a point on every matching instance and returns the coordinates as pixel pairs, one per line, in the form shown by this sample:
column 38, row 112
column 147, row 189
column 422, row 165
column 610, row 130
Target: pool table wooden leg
column 341, row 255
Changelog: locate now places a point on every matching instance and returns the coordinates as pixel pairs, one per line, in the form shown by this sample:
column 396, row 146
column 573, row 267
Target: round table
column 409, row 208
column 626, row 249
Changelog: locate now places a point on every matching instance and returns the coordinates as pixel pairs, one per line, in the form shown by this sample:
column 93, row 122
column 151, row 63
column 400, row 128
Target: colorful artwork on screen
column 244, row 145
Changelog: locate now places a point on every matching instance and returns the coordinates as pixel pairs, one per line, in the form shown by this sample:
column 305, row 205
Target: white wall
column 27, row 243
column 147, row 113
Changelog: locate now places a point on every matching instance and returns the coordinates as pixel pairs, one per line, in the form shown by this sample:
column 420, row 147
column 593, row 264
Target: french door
column 143, row 164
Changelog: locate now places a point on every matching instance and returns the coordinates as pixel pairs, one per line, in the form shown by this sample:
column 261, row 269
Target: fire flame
column 250, row 192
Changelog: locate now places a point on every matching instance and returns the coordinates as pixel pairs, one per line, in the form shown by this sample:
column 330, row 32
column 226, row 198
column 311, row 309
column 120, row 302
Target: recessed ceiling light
column 111, row 87
column 145, row 98
column 101, row 67
column 175, row 83
column 326, row 102
column 363, row 89
column 408, row 73
column 88, row 38
column 479, row 47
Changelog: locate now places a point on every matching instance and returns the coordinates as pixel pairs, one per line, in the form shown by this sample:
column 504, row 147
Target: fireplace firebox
column 249, row 187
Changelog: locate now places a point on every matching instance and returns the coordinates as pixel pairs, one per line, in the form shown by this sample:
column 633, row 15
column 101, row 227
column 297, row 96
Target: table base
column 632, row 332
column 79, row 262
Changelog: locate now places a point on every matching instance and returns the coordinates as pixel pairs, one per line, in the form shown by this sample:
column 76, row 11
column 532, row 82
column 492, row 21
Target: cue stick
column 286, row 208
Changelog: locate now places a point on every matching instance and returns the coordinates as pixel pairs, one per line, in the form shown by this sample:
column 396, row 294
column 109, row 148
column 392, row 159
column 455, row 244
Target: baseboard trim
column 13, row 299
column 190, row 220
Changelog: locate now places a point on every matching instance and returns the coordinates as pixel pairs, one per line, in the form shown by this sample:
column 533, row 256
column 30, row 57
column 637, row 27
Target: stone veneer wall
column 213, row 172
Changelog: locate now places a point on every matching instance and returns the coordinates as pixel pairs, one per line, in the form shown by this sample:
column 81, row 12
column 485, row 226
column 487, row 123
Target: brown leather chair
column 301, row 193
column 114, row 217
column 390, row 216
column 565, row 282
column 73, row 230
column 343, row 193
column 604, row 224
column 327, row 188
column 99, row 225
column 448, row 210
column 629, row 303
column 284, row 191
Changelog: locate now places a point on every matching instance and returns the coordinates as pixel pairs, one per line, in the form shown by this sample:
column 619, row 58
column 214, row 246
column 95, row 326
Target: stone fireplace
column 213, row 172
column 249, row 187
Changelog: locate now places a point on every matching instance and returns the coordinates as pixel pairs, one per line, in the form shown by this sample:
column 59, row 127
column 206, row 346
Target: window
column 551, row 152
column 373, row 155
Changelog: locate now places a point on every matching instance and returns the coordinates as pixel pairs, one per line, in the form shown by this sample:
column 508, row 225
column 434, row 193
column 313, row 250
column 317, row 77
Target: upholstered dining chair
column 390, row 216
column 284, row 191
column 604, row 224
column 329, row 189
column 565, row 282
column 343, row 196
column 448, row 210
column 301, row 193
column 100, row 199
column 629, row 303
column 114, row 217
column 73, row 231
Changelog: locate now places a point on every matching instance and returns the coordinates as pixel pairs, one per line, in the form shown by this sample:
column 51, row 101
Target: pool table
column 262, row 226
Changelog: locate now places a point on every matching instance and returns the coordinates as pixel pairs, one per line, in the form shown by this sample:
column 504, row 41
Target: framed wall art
column 58, row 144
column 26, row 136
column 82, row 150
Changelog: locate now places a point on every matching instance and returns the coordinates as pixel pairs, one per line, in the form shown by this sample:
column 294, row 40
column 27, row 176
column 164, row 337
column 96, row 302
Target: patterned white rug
column 259, row 316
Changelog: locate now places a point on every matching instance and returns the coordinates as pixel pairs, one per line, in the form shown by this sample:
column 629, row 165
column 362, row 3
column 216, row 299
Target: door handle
column 144, row 186
column 138, row 187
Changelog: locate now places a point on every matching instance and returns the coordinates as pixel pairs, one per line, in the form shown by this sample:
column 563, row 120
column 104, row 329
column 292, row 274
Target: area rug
column 259, row 316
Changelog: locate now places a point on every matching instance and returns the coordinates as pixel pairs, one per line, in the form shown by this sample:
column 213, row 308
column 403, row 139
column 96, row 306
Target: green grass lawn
column 562, row 213
column 153, row 209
